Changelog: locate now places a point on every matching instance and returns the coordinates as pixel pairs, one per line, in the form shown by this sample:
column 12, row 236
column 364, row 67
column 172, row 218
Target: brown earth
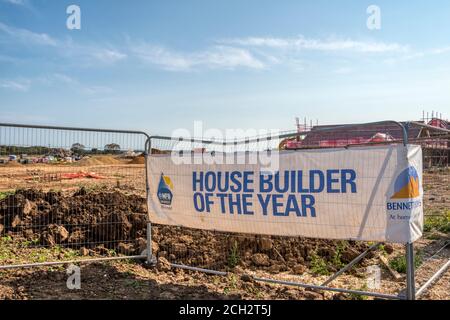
column 98, row 160
column 137, row 160
column 126, row 177
column 84, row 219
column 11, row 164
column 50, row 218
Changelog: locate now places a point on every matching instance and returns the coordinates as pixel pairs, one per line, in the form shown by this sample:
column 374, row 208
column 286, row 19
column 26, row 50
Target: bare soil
column 81, row 218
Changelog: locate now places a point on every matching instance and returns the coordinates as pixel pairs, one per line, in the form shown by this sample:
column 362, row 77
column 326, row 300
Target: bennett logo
column 165, row 188
column 406, row 190
column 407, row 185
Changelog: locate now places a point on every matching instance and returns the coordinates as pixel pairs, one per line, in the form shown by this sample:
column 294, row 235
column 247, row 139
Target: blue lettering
column 292, row 206
column 236, row 203
column 276, row 205
column 264, row 203
column 223, row 183
column 199, row 204
column 331, row 180
column 246, row 203
column 265, row 183
column 248, row 181
column 309, row 205
column 222, row 196
column 196, row 181
column 235, row 175
column 348, row 180
column 312, row 184
column 210, row 181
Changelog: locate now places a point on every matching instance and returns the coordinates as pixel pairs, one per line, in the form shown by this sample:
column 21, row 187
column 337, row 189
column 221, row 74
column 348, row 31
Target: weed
column 232, row 284
column 134, row 284
column 357, row 296
column 233, row 258
column 336, row 259
column 30, row 243
column 6, row 239
column 399, row 263
column 437, row 223
column 382, row 249
column 319, row 265
column 4, row 194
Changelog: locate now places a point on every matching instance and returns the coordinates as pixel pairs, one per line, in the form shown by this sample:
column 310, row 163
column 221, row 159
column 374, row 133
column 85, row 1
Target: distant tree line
column 76, row 148
column 111, row 148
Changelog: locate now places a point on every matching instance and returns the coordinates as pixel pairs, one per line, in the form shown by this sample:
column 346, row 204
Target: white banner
column 361, row 193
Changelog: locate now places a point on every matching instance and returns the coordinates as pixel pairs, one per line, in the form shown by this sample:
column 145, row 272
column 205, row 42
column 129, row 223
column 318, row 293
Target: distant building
column 431, row 136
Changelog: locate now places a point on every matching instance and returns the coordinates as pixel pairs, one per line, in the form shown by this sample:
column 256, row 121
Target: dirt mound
column 98, row 160
column 82, row 219
column 218, row 250
column 137, row 160
column 113, row 220
column 12, row 164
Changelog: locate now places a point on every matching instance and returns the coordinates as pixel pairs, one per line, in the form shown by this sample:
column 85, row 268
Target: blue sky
column 160, row 65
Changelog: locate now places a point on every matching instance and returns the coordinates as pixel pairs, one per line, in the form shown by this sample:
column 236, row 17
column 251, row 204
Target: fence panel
column 296, row 259
column 68, row 193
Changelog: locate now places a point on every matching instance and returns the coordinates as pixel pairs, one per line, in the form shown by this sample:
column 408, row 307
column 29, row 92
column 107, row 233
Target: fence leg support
column 151, row 260
column 410, row 281
column 351, row 263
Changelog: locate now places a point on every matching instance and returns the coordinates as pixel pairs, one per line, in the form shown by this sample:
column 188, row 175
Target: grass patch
column 437, row 223
column 4, row 194
column 357, row 296
column 5, row 239
column 233, row 257
column 232, row 284
column 30, row 243
column 336, row 259
column 399, row 263
column 382, row 249
column 318, row 265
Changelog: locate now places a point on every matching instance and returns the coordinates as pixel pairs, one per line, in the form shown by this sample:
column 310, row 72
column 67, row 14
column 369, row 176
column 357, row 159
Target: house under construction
column 432, row 134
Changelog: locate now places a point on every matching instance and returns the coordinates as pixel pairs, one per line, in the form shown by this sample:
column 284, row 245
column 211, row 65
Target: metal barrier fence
column 72, row 193
column 80, row 195
column 282, row 260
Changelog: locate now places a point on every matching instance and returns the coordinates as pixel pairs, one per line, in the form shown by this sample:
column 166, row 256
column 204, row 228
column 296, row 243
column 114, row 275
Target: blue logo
column 406, row 191
column 407, row 185
column 165, row 188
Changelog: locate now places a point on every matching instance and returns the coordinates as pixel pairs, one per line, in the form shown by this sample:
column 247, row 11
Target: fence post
column 151, row 261
column 410, row 281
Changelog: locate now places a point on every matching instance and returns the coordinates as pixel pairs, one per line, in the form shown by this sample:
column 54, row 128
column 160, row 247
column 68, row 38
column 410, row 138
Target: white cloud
column 59, row 81
column 27, row 36
column 15, row 85
column 107, row 55
column 60, row 77
column 70, row 82
column 91, row 53
column 302, row 43
column 216, row 57
column 94, row 90
column 229, row 58
column 418, row 55
column 16, row 2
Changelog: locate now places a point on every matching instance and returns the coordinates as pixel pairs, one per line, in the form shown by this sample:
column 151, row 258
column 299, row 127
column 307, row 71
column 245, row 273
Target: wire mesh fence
column 71, row 193
column 435, row 142
column 289, row 257
column 67, row 193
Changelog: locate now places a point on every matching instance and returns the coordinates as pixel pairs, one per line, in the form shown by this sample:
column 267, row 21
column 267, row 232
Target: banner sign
column 361, row 193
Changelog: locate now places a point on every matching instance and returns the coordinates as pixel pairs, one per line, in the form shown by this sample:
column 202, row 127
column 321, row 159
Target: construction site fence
column 79, row 194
